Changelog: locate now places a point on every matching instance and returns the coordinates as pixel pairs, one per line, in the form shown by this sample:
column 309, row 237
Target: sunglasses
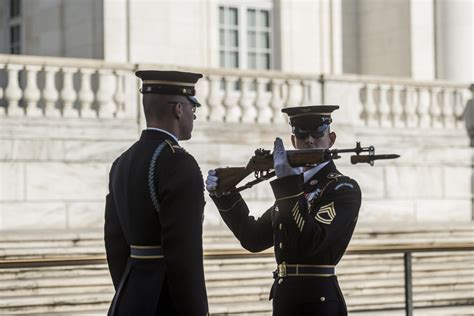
column 304, row 135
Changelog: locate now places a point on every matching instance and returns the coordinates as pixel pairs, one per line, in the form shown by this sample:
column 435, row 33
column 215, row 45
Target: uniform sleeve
column 254, row 234
column 116, row 247
column 181, row 217
column 332, row 220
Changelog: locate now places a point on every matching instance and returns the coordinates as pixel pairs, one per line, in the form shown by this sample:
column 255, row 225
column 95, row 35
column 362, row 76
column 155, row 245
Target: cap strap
column 174, row 83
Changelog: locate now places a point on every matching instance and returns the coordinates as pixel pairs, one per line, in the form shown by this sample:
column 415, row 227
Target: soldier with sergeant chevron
column 309, row 225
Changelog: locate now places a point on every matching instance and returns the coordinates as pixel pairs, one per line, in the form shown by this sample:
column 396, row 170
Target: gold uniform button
column 281, row 245
column 322, row 298
column 280, row 226
column 280, row 281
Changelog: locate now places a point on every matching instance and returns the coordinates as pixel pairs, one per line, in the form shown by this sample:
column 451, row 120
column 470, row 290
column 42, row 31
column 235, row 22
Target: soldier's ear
column 332, row 139
column 178, row 110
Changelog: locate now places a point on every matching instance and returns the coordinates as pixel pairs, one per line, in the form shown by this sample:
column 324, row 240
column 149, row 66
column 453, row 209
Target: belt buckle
column 282, row 270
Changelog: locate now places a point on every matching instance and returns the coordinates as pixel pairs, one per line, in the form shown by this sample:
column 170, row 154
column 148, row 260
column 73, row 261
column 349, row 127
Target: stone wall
column 54, row 159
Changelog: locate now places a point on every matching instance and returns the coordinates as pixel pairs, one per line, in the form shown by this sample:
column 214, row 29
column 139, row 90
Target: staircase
column 371, row 283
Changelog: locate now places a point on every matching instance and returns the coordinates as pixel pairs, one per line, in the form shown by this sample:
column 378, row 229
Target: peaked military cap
column 314, row 120
column 169, row 82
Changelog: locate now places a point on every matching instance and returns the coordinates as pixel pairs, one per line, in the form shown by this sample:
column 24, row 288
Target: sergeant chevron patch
column 326, row 214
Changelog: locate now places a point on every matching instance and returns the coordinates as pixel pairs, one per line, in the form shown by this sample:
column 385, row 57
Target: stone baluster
column 50, row 92
column 216, row 109
column 459, row 105
column 423, row 107
column 106, row 106
column 435, row 110
column 294, row 96
column 202, row 91
column 411, row 104
column 13, row 91
column 68, row 94
column 384, row 115
column 277, row 101
column 262, row 102
column 86, row 95
column 32, row 94
column 119, row 94
column 307, row 92
column 233, row 111
column 447, row 109
column 247, row 97
column 397, row 97
column 369, row 107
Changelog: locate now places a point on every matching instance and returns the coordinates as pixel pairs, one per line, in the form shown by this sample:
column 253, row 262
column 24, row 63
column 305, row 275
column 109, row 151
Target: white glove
column 280, row 161
column 211, row 182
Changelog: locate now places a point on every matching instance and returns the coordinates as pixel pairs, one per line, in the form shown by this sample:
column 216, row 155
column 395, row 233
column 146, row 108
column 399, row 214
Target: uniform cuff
column 287, row 186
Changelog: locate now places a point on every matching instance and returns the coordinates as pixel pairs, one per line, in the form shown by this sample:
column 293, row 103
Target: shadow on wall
column 469, row 115
column 469, row 119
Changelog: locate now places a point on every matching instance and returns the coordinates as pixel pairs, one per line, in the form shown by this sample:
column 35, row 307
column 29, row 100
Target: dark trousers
column 308, row 296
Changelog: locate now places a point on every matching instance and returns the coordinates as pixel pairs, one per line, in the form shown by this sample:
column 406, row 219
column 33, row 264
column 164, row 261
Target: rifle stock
column 301, row 158
column 229, row 178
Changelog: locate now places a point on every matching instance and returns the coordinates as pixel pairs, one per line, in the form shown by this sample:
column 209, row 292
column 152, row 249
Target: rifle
column 261, row 164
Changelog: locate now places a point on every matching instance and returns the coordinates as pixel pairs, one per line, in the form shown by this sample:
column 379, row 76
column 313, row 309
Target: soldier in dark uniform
column 310, row 224
column 154, row 209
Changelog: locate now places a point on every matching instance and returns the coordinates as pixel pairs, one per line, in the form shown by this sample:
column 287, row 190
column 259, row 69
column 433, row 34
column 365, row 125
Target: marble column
column 454, row 40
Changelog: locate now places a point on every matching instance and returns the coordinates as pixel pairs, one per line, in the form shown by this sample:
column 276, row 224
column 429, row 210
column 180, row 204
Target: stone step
column 438, row 311
column 241, row 285
column 222, row 233
column 388, row 285
column 240, row 296
column 461, row 266
column 264, row 309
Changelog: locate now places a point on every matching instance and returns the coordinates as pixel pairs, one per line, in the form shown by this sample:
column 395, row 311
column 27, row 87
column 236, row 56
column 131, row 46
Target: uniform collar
column 153, row 133
column 308, row 174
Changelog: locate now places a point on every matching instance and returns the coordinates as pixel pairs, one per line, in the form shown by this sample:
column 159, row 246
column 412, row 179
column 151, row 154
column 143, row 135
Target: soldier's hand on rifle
column 211, row 182
column 280, row 161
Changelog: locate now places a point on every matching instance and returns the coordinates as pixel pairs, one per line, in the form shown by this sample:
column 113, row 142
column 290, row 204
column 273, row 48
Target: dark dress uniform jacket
column 173, row 285
column 309, row 232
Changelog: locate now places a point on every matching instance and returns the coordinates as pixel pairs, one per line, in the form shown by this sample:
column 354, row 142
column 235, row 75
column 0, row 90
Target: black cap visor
column 193, row 100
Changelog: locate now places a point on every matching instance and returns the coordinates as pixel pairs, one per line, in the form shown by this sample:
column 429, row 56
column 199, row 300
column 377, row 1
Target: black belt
column 292, row 270
column 146, row 252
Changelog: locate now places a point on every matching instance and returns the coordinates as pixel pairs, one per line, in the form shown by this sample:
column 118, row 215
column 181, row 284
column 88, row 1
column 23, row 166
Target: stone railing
column 60, row 87
column 54, row 87
column 394, row 102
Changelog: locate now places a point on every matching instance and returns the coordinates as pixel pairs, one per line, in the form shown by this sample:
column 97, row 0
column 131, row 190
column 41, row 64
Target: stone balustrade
column 59, row 87
column 399, row 103
column 63, row 121
column 54, row 87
